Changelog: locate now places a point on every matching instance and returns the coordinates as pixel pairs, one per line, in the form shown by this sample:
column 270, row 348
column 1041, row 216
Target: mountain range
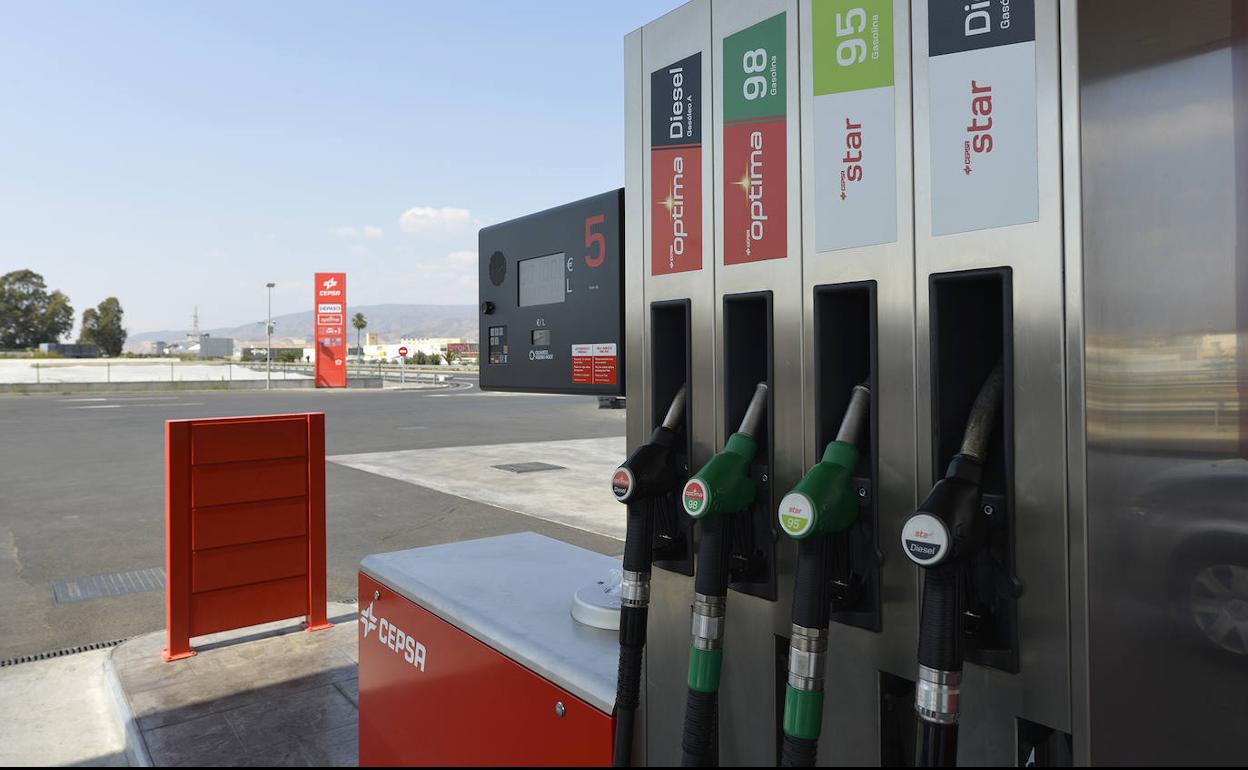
column 391, row 321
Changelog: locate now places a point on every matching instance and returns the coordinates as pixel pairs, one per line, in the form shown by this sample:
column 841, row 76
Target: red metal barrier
column 244, row 525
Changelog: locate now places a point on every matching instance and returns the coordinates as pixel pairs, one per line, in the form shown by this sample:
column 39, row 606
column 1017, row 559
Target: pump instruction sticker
column 755, row 157
column 982, row 88
column 855, row 124
column 595, row 364
column 676, row 167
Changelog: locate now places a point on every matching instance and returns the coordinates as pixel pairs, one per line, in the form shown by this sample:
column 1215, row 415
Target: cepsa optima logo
column 393, row 638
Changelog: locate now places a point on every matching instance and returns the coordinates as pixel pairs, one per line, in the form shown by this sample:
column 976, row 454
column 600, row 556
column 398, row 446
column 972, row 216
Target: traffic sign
column 403, row 352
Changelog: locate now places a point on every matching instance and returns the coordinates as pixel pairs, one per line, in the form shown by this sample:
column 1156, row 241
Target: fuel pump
column 720, row 489
column 646, row 482
column 821, row 505
column 947, row 530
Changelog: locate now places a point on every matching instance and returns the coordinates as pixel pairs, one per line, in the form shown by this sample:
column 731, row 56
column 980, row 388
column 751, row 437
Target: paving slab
column 577, row 495
column 58, row 712
column 269, row 695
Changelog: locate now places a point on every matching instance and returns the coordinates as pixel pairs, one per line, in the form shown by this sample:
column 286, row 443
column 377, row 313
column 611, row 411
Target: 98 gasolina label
column 755, row 133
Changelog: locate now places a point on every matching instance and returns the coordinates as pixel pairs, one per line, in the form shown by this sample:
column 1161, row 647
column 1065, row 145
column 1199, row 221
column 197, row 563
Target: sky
column 187, row 153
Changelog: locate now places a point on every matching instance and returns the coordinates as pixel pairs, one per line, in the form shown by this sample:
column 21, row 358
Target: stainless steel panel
column 1163, row 106
column 675, row 36
column 748, row 706
column 1040, row 691
column 851, row 715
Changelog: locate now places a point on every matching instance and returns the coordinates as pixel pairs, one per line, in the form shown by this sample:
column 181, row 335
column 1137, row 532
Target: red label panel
column 583, row 364
column 676, row 221
column 755, row 192
column 604, row 364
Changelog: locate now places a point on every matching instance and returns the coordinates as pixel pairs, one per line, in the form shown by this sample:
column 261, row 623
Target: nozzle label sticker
column 595, row 364
column 676, row 167
column 621, row 483
column 983, row 124
column 695, row 497
column 755, row 155
column 797, row 514
column 855, row 154
column 926, row 540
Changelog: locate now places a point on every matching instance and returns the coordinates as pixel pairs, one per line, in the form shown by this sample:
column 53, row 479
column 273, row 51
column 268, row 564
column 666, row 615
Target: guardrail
column 69, row 371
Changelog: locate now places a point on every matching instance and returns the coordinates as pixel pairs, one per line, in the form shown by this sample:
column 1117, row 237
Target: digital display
column 541, row 338
column 541, row 280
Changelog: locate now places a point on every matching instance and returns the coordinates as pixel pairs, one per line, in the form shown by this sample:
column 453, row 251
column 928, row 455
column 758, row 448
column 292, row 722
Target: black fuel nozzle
column 948, row 529
column 648, row 471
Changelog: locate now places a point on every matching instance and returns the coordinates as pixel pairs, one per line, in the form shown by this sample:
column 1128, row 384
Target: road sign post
column 403, row 365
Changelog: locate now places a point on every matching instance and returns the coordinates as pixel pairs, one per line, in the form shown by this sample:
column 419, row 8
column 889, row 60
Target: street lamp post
column 268, row 351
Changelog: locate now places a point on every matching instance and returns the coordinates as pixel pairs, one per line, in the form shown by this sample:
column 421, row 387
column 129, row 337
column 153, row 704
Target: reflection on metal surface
column 1178, row 392
column 1164, row 275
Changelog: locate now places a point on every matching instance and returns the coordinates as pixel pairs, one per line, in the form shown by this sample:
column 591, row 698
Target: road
column 81, row 490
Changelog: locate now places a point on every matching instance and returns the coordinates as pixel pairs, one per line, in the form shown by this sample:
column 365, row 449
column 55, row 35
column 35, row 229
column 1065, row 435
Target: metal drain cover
column 528, row 467
column 113, row 584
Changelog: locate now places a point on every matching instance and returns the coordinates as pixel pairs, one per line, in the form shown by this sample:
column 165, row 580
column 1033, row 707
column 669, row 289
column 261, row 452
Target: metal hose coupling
column 708, row 621
column 808, row 649
column 936, row 695
column 635, row 589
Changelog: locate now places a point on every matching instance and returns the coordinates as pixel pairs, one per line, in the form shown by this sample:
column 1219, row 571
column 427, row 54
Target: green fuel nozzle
column 822, row 502
column 724, row 485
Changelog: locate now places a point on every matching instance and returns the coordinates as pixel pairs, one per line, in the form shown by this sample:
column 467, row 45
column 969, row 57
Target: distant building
column 70, row 351
column 372, row 338
column 215, row 347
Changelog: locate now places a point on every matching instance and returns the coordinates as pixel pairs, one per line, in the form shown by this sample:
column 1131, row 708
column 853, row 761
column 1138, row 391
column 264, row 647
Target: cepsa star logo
column 394, row 638
column 368, row 620
column 329, row 288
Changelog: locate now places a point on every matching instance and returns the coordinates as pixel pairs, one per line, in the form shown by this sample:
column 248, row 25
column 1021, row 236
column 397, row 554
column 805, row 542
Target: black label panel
column 676, row 103
column 967, row 25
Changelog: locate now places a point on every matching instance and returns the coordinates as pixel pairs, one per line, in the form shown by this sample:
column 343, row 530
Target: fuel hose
column 820, row 506
column 721, row 488
column 647, row 484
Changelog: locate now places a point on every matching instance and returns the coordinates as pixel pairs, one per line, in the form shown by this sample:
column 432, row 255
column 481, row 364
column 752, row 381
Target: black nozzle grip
column 940, row 626
column 714, row 554
column 812, row 602
column 798, row 752
column 697, row 743
column 639, row 537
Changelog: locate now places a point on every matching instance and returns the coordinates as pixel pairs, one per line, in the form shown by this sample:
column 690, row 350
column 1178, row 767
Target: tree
column 450, row 355
column 101, row 326
column 420, row 358
column 29, row 315
column 434, row 359
column 360, row 323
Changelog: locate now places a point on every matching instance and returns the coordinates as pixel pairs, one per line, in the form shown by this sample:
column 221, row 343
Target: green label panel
column 754, row 62
column 853, row 45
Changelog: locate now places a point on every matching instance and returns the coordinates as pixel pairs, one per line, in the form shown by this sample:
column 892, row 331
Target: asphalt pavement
column 82, row 490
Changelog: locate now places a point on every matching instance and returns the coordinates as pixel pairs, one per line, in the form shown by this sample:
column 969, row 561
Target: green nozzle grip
column 803, row 713
column 822, row 502
column 723, row 485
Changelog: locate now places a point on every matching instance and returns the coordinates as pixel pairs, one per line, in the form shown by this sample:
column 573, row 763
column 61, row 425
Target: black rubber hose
column 622, row 756
column 638, row 538
column 938, row 746
column 698, row 741
column 812, row 605
column 714, row 553
column 798, row 752
column 940, row 633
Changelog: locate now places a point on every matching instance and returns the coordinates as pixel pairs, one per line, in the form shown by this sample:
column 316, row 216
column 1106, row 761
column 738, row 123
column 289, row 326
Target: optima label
column 676, row 167
column 755, row 168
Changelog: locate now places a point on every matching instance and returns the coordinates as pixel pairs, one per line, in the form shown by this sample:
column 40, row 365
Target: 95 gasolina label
column 676, row 167
column 755, row 132
column 982, row 89
column 855, row 155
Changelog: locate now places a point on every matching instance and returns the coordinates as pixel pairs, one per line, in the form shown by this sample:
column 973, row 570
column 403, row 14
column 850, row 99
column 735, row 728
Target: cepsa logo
column 394, row 638
column 979, row 139
column 329, row 288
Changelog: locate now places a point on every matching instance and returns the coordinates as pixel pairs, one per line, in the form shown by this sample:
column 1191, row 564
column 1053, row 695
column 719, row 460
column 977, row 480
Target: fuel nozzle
column 822, row 501
column 949, row 526
column 648, row 472
column 724, row 485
